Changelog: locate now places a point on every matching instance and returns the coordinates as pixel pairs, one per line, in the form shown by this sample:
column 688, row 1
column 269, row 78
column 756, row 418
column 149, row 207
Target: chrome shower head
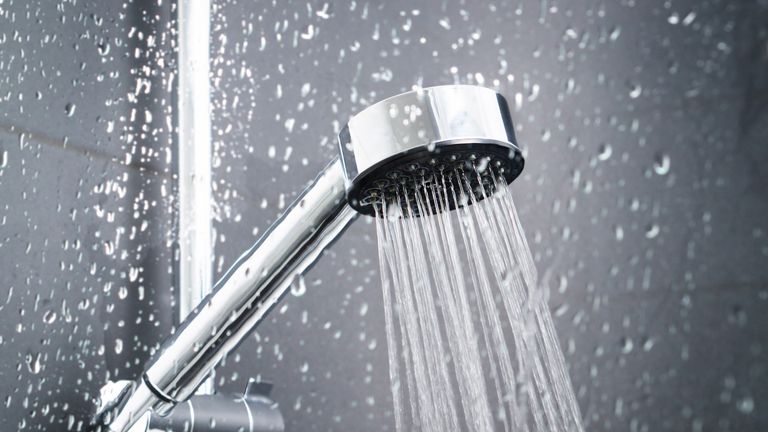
column 428, row 138
column 390, row 152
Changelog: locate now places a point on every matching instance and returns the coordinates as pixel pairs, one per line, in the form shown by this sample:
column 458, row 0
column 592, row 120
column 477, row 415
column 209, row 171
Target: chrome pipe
column 241, row 299
column 195, row 242
column 194, row 156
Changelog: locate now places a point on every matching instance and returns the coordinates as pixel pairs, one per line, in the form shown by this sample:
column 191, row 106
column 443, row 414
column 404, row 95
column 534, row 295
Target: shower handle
column 239, row 301
column 389, row 144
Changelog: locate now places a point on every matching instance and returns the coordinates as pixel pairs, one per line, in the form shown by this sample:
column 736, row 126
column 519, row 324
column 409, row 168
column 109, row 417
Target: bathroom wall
column 644, row 125
column 86, row 201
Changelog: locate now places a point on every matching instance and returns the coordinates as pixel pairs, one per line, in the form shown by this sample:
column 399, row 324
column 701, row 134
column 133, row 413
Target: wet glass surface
column 643, row 197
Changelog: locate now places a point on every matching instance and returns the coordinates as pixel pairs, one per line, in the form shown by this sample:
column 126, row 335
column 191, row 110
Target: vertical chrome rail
column 194, row 159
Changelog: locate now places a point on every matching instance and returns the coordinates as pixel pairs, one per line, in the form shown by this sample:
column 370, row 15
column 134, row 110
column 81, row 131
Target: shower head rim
column 451, row 123
column 497, row 150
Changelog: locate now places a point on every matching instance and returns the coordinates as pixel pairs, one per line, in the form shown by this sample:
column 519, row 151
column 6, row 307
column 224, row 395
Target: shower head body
column 396, row 144
column 410, row 138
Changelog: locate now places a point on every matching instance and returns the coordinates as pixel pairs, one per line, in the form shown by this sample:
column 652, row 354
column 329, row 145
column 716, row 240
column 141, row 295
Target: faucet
column 394, row 142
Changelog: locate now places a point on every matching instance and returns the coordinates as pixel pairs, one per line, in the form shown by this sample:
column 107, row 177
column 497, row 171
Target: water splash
column 471, row 341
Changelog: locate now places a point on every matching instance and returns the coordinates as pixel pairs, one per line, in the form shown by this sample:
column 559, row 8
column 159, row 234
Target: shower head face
column 436, row 144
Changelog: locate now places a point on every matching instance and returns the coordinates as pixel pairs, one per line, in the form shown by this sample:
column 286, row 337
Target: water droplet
column 133, row 273
column 383, row 74
column 103, row 48
column 309, row 32
column 673, row 19
column 34, row 365
column 648, row 344
column 627, row 345
column 615, row 33
column 84, row 304
column 109, row 247
column 746, row 405
column 299, row 288
column 305, row 89
column 604, row 152
column 661, row 164
column 49, row 317
column 323, row 13
column 289, row 124
column 652, row 231
column 635, row 90
column 688, row 20
column 545, row 135
column 70, row 109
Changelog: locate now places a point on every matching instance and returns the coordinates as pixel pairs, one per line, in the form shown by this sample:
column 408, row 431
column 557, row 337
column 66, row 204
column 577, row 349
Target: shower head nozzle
column 455, row 137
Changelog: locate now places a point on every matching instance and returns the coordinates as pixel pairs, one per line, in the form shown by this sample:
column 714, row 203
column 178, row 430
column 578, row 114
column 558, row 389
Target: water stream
column 471, row 341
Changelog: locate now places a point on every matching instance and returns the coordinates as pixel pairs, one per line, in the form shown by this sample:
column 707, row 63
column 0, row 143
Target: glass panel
column 86, row 220
column 643, row 196
column 634, row 123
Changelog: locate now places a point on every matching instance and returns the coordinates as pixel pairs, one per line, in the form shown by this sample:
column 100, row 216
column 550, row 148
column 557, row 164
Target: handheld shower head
column 428, row 137
column 390, row 152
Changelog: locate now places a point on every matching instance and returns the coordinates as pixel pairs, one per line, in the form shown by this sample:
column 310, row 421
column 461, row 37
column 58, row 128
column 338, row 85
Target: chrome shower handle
column 383, row 146
column 241, row 299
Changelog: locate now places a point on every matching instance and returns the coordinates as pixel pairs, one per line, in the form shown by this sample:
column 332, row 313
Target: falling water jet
column 529, row 386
